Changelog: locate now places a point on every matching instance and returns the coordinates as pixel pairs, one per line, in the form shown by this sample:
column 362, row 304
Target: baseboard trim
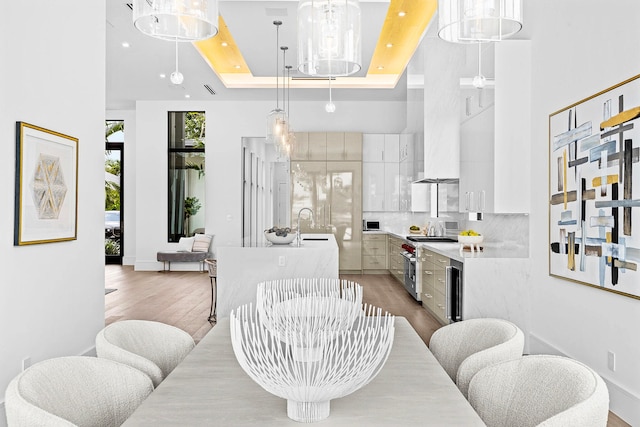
column 622, row 401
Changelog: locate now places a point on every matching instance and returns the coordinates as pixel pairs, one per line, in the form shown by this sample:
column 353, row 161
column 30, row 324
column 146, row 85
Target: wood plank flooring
column 182, row 299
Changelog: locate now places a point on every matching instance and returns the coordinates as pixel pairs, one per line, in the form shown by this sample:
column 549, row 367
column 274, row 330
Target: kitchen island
column 240, row 269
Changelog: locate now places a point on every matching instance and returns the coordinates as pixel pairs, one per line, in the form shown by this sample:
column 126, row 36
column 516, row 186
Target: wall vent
column 209, row 89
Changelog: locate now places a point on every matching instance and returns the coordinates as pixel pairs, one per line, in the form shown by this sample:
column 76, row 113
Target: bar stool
column 212, row 264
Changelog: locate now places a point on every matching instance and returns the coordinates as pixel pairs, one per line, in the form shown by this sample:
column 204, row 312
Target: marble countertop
column 309, row 240
column 490, row 250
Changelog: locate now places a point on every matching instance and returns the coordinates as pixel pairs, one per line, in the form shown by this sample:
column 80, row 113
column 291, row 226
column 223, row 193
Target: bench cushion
column 178, row 256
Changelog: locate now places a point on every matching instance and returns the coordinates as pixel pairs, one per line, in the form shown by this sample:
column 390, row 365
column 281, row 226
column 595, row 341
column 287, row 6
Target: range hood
column 435, row 195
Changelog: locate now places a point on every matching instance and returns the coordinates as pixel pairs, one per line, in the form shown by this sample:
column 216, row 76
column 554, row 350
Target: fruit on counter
column 469, row 233
column 414, row 227
column 282, row 232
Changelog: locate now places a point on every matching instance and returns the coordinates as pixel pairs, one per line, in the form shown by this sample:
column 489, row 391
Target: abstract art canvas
column 46, row 196
column 594, row 190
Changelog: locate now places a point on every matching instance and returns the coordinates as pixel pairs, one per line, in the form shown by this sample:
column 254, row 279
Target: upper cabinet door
column 317, row 146
column 301, row 147
column 391, row 148
column 344, row 146
column 353, row 146
column 335, row 145
column 373, row 147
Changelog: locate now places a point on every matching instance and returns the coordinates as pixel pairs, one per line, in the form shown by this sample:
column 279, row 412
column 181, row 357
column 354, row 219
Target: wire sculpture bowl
column 310, row 341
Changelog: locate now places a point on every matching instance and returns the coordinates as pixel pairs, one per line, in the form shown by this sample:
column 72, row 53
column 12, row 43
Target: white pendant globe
column 330, row 107
column 176, row 78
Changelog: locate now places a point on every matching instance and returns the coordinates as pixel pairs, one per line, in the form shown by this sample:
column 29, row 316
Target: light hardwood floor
column 182, row 299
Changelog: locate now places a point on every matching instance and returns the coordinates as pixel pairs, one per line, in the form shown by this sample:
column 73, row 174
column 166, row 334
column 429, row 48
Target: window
column 186, row 174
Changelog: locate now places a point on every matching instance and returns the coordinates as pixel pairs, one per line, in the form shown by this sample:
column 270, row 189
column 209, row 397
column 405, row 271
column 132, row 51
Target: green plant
column 191, row 206
column 111, row 247
column 199, row 168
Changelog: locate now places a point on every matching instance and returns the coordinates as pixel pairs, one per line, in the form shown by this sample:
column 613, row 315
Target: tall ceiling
column 134, row 72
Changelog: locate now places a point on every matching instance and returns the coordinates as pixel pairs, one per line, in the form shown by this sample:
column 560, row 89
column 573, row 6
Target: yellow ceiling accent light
column 404, row 25
column 222, row 53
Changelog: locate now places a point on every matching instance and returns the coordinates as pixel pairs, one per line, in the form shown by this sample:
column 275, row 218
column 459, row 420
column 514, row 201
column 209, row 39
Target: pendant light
column 176, row 77
column 181, row 20
column 277, row 118
column 479, row 81
column 473, row 21
column 330, row 107
column 329, row 41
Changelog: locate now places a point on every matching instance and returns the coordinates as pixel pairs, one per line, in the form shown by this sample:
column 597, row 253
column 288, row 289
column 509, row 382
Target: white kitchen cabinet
column 391, row 148
column 373, row 186
column 373, row 147
column 381, row 172
column 391, row 187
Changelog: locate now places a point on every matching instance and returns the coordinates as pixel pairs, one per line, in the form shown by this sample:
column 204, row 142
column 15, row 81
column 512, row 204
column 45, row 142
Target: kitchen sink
column 423, row 239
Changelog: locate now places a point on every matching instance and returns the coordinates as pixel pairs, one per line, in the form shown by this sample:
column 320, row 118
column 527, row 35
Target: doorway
column 113, row 185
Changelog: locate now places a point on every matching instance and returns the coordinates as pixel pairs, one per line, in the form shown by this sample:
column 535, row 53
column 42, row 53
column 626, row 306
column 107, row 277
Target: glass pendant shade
column 182, row 20
column 277, row 126
column 473, row 21
column 329, row 41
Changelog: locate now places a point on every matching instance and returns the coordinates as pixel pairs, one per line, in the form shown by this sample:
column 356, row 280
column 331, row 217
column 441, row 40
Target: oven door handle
column 447, row 291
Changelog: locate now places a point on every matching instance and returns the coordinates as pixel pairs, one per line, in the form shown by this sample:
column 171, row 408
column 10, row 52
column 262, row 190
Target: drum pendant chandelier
column 329, row 43
column 478, row 21
column 176, row 20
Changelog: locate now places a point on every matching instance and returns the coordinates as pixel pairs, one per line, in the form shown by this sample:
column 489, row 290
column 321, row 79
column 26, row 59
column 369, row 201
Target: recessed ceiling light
column 402, row 13
column 389, row 44
column 187, row 96
column 237, row 67
column 224, row 44
column 163, row 75
column 380, row 67
column 125, row 44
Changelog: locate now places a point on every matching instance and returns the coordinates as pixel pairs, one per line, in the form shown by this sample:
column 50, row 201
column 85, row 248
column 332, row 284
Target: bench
column 167, row 257
column 190, row 249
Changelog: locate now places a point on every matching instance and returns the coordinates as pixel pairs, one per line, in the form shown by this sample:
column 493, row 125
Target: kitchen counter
column 491, row 250
column 240, row 269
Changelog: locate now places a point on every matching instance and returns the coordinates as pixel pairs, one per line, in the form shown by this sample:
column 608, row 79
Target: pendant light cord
column 277, row 24
column 176, row 54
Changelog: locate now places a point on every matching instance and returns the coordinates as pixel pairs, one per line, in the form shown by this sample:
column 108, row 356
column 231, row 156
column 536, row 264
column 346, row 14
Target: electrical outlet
column 611, row 361
column 26, row 362
column 281, row 260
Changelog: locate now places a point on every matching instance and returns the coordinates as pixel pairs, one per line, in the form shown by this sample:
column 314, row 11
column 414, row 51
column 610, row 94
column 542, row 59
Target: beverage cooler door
column 454, row 291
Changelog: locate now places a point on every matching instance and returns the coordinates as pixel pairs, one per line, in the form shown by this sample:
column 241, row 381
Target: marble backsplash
column 506, row 229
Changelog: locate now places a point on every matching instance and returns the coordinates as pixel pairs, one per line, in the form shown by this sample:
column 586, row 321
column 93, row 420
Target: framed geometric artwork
column 46, row 198
column 594, row 190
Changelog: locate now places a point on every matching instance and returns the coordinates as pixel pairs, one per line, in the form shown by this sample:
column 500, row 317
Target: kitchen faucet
column 299, row 235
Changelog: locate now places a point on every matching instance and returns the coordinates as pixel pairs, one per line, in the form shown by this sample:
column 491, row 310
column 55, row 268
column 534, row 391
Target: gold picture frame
column 594, row 190
column 46, row 195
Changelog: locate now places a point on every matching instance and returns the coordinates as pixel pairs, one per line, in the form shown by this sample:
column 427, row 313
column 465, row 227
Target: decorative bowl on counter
column 279, row 236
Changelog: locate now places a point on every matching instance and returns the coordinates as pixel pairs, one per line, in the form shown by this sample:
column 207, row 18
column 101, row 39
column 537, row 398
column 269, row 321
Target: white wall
column 579, row 48
column 53, row 76
column 227, row 123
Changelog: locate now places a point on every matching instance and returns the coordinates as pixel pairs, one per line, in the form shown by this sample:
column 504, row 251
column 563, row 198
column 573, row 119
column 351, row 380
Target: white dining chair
column 540, row 390
column 463, row 348
column 75, row 391
column 154, row 348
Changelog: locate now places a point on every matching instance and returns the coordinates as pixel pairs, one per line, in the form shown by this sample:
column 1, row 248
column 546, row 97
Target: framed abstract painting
column 46, row 198
column 594, row 190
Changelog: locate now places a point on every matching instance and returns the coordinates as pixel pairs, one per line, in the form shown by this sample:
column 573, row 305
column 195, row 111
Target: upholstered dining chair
column 463, row 348
column 540, row 390
column 154, row 348
column 212, row 265
column 75, row 391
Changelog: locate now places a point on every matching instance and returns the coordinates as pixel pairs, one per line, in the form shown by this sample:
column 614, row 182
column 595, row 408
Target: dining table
column 209, row 388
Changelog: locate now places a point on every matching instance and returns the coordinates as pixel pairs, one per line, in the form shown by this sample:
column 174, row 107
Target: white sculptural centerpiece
column 310, row 341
